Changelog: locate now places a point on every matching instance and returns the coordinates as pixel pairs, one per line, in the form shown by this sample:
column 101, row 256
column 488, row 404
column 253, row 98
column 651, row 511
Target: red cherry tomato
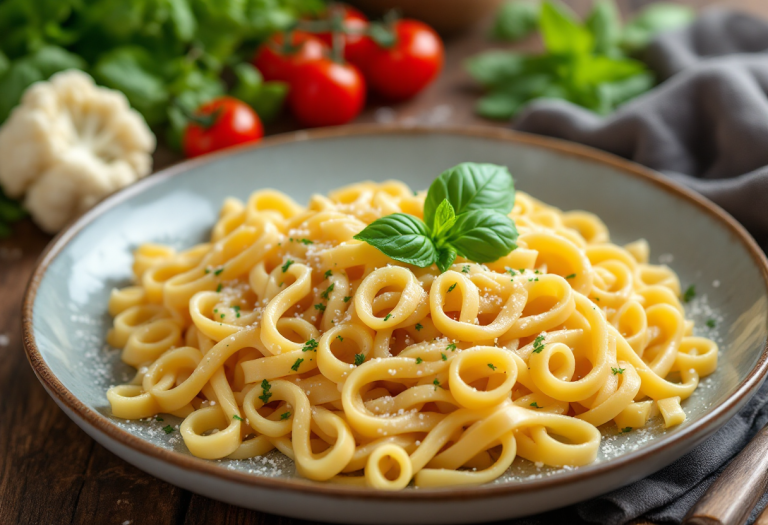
column 326, row 93
column 277, row 64
column 357, row 47
column 401, row 71
column 231, row 122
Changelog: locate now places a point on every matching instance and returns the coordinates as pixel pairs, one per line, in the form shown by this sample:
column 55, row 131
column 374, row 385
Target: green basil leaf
column 499, row 105
column 494, row 68
column 483, row 235
column 445, row 258
column 402, row 237
column 471, row 186
column 597, row 69
column 616, row 93
column 654, row 19
column 605, row 25
column 516, row 20
column 445, row 217
column 562, row 33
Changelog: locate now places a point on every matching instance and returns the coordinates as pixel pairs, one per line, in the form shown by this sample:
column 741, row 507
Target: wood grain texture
column 53, row 473
column 733, row 495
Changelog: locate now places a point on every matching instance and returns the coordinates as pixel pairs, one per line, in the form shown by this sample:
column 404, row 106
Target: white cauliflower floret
column 68, row 145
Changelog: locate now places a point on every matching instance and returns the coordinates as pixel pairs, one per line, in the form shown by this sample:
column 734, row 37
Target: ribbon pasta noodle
column 283, row 332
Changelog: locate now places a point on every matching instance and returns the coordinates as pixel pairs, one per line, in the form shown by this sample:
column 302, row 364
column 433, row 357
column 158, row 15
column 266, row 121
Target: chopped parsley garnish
column 236, row 308
column 450, row 289
column 418, row 326
column 617, row 370
column 219, row 287
column 265, row 394
column 535, row 405
column 222, row 316
column 339, row 338
column 306, row 242
column 689, row 294
column 287, row 265
column 168, row 429
column 310, row 345
column 451, row 347
column 492, row 366
column 218, row 272
column 521, row 270
column 328, row 273
column 538, row 344
column 284, row 416
column 295, row 366
column 359, row 359
column 207, row 270
column 711, row 323
column 445, row 357
column 347, row 298
column 327, row 291
column 158, row 418
column 531, row 279
column 437, row 384
column 419, row 360
column 387, row 317
column 626, row 430
column 572, row 276
column 320, row 306
column 235, row 416
column 465, row 268
column 597, row 298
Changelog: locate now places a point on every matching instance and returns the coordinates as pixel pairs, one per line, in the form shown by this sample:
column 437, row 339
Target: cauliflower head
column 69, row 144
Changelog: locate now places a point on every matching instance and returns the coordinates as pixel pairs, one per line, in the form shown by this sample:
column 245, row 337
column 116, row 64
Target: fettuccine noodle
column 284, row 332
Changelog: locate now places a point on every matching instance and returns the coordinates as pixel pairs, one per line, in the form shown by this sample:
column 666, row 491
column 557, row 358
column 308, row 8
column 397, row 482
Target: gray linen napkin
column 705, row 126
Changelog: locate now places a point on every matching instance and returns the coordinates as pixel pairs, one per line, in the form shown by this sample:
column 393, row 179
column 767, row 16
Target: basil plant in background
column 465, row 214
column 588, row 63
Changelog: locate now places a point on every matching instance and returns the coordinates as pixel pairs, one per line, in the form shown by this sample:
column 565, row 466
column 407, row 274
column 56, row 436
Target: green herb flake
column 450, row 289
column 236, row 308
column 571, row 276
column 158, row 418
column 710, row 323
column 287, row 265
column 347, row 298
column 626, row 430
column 437, row 384
column 386, row 318
column 320, row 306
column 306, row 242
column 235, row 416
column 535, row 405
column 359, row 359
column 443, row 356
column 284, row 416
column 617, row 370
column 207, row 270
column 327, row 291
column 538, row 344
column 218, row 272
column 341, row 339
column 219, row 287
column 419, row 360
column 328, row 273
column 492, row 366
column 418, row 326
column 265, row 394
column 295, row 366
column 465, row 268
column 310, row 346
column 689, row 294
column 451, row 347
column 168, row 429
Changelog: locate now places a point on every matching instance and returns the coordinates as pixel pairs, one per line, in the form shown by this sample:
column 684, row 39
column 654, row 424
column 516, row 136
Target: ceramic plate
column 65, row 310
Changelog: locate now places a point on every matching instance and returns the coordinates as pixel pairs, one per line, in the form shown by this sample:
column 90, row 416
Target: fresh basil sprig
column 465, row 213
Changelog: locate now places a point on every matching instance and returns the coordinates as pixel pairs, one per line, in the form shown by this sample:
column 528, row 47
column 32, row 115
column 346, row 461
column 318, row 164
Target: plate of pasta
column 377, row 324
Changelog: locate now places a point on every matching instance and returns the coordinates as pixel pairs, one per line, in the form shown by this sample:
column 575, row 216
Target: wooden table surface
column 53, row 473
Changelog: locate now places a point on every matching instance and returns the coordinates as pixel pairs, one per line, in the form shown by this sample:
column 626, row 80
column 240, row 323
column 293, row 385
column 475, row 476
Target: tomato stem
column 205, row 121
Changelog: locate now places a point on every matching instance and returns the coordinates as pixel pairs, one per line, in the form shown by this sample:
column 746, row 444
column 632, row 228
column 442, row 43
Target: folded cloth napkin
column 705, row 126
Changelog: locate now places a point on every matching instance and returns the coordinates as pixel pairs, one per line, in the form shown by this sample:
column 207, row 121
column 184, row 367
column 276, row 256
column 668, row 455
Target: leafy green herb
column 538, row 344
column 327, row 291
column 386, row 317
column 617, row 370
column 443, row 356
column 451, row 347
column 235, row 416
column 207, row 270
column 465, row 213
column 626, row 430
column 306, row 242
column 437, row 384
column 265, row 394
column 295, row 366
column 359, row 359
column 320, row 307
column 236, row 308
column 535, row 405
column 168, row 429
column 341, row 339
column 347, row 298
column 711, row 323
column 328, row 273
column 419, row 360
column 418, row 326
column 571, row 276
column 219, row 287
column 492, row 366
column 465, row 268
column 689, row 293
column 287, row 265
column 158, row 418
column 310, row 346
column 589, row 64
column 450, row 288
column 284, row 416
column 218, row 272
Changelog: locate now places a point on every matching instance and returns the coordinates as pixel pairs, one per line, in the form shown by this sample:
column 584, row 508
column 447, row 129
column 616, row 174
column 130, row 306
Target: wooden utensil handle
column 733, row 495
